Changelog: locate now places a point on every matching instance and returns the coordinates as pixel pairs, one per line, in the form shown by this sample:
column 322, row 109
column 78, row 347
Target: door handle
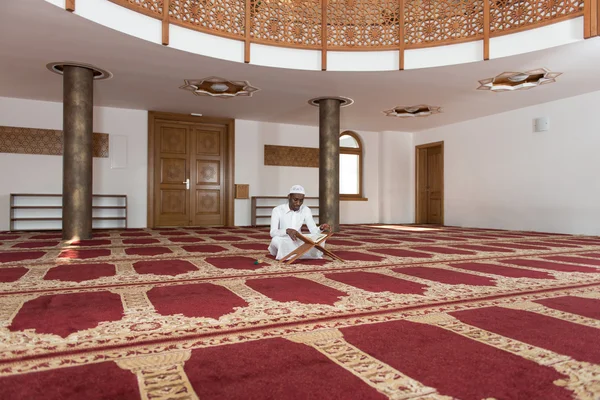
column 187, row 183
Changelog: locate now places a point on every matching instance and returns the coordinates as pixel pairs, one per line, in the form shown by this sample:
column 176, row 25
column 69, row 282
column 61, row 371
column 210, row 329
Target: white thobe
column 283, row 218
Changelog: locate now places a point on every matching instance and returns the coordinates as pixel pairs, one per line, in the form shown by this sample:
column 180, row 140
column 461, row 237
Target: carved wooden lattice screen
column 289, row 23
column 44, row 141
column 507, row 16
column 153, row 8
column 222, row 17
column 358, row 24
column 290, row 156
column 365, row 24
column 444, row 21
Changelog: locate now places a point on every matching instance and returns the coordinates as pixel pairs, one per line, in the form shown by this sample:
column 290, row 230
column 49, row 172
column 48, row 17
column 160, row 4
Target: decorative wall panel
column 242, row 191
column 43, row 141
column 289, row 156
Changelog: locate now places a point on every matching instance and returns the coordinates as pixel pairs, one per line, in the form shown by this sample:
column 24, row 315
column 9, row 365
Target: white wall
column 24, row 173
column 264, row 180
column 43, row 174
column 499, row 173
column 396, row 178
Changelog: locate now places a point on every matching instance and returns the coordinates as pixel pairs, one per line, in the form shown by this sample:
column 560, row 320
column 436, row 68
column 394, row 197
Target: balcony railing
column 367, row 25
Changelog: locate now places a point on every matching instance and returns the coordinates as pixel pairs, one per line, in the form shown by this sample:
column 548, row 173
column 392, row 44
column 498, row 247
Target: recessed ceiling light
column 511, row 81
column 196, row 114
column 421, row 110
column 218, row 87
column 518, row 77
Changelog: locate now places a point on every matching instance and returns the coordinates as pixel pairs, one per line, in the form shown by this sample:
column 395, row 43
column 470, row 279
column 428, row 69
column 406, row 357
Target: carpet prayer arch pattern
column 413, row 313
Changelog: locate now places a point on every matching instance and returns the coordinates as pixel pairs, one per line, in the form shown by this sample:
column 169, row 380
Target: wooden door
column 207, row 185
column 422, row 195
column 172, row 200
column 430, row 184
column 190, row 171
column 434, row 185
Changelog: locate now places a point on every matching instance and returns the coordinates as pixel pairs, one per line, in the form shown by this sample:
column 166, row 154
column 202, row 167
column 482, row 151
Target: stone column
column 329, row 162
column 77, row 152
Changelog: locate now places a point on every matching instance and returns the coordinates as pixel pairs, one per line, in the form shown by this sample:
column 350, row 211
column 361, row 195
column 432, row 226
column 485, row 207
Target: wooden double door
column 192, row 172
column 430, row 183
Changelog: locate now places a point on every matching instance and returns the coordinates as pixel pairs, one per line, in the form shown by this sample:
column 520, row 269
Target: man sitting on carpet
column 286, row 222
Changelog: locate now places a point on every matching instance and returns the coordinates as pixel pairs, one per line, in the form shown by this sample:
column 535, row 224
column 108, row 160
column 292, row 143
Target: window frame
column 354, row 151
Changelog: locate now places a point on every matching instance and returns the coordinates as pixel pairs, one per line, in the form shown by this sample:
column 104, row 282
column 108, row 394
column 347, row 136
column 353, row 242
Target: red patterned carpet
column 414, row 313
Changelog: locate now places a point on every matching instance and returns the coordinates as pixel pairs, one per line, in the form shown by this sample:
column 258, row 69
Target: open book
column 317, row 238
column 310, row 242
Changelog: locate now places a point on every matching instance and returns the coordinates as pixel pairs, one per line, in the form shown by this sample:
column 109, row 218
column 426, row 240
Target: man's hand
column 292, row 233
column 325, row 228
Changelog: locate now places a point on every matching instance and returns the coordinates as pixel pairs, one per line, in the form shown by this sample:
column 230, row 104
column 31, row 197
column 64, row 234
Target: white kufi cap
column 297, row 189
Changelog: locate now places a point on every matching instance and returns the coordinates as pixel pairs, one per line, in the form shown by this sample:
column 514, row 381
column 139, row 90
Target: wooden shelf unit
column 269, row 202
column 43, row 211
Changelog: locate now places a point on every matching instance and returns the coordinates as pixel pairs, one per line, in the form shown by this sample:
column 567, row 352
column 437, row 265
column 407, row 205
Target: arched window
column 350, row 166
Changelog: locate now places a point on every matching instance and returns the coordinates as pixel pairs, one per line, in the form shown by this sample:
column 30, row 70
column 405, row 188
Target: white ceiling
column 147, row 76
